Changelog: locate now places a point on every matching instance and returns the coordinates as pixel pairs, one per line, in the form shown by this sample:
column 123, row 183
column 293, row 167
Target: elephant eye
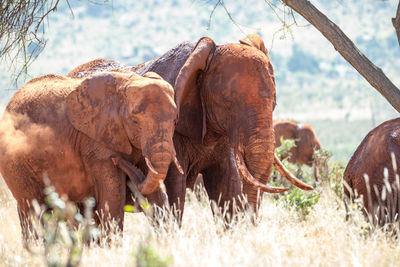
column 135, row 121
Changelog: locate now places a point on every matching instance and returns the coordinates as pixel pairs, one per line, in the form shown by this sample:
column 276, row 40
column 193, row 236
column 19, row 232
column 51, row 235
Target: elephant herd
column 200, row 108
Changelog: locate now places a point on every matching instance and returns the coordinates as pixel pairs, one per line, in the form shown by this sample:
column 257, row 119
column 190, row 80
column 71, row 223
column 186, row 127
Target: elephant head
column 229, row 90
column 125, row 110
column 306, row 140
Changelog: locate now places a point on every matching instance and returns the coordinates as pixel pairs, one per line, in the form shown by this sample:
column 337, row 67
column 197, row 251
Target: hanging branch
column 22, row 30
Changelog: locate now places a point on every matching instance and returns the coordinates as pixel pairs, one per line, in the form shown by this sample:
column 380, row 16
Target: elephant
column 306, row 140
column 158, row 197
column 364, row 176
column 86, row 135
column 226, row 96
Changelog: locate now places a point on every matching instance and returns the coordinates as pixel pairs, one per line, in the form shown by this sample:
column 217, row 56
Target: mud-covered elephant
column 86, row 135
column 226, row 96
column 158, row 197
column 378, row 151
column 306, row 140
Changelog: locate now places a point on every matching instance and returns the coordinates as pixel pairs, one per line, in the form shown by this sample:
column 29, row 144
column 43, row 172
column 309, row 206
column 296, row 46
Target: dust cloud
column 19, row 135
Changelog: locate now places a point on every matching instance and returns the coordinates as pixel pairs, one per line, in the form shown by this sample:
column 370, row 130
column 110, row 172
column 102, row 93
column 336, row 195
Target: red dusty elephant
column 378, row 153
column 226, row 96
column 306, row 140
column 77, row 130
column 96, row 66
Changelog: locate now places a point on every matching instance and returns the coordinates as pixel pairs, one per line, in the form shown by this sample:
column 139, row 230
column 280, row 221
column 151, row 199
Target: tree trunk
column 396, row 23
column 348, row 50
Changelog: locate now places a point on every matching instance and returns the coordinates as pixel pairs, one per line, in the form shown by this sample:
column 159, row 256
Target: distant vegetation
column 314, row 84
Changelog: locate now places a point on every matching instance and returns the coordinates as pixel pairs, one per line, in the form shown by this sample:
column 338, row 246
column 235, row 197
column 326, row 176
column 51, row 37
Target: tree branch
column 396, row 22
column 348, row 50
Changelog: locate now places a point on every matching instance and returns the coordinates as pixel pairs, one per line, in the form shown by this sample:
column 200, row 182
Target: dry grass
column 281, row 238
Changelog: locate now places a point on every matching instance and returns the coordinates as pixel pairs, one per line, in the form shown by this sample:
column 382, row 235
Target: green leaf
column 129, row 208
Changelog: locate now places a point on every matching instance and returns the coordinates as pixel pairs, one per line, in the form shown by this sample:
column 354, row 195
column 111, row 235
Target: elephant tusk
column 178, row 166
column 289, row 176
column 150, row 166
column 250, row 179
column 135, row 174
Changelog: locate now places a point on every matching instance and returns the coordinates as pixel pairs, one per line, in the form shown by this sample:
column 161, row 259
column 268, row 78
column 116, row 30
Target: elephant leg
column 24, row 186
column 159, row 204
column 110, row 194
column 25, row 214
column 223, row 185
column 175, row 184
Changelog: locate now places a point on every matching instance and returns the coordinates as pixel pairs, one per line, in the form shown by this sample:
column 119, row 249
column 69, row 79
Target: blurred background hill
column 314, row 84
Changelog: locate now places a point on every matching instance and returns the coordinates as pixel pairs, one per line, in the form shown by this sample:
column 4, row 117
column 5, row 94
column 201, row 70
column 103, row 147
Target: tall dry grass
column 282, row 237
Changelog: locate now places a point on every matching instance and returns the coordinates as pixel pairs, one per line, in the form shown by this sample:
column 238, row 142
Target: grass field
column 284, row 236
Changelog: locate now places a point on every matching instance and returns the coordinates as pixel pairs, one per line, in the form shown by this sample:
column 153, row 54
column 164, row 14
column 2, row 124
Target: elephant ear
column 256, row 41
column 93, row 108
column 192, row 115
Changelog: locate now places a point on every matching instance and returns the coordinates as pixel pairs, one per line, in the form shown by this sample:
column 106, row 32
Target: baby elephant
column 306, row 140
column 373, row 170
column 86, row 134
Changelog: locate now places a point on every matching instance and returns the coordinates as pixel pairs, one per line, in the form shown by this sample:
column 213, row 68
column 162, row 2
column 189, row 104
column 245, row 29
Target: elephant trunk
column 157, row 160
column 258, row 157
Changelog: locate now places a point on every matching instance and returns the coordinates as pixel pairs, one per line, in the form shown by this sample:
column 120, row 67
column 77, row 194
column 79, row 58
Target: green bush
column 284, row 149
column 147, row 256
column 336, row 171
column 323, row 173
column 301, row 200
column 320, row 165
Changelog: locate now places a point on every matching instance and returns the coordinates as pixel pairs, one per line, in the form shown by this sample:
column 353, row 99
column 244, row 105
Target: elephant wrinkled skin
column 77, row 130
column 306, row 140
column 225, row 95
column 378, row 151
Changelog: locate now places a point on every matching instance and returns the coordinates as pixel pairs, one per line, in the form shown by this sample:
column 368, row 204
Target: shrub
column 321, row 166
column 301, row 200
column 284, row 149
column 146, row 255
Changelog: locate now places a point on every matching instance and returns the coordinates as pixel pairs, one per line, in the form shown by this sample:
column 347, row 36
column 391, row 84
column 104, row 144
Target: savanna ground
column 292, row 229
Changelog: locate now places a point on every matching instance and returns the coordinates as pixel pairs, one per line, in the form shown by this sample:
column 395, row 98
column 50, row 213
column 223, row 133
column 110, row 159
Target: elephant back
column 169, row 64
column 372, row 157
column 41, row 98
column 96, row 66
column 380, row 141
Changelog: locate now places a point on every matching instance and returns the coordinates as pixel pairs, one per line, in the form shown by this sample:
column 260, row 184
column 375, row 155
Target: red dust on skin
column 225, row 96
column 379, row 150
column 69, row 129
column 162, row 116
